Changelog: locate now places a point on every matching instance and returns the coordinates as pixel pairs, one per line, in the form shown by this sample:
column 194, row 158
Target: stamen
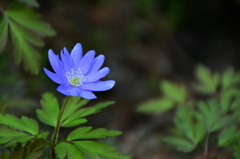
column 75, row 77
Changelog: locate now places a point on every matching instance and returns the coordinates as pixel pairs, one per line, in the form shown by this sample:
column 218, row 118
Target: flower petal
column 55, row 62
column 67, row 60
column 86, row 61
column 96, row 64
column 76, row 53
column 64, row 89
column 87, row 94
column 97, row 75
column 99, row 85
column 56, row 78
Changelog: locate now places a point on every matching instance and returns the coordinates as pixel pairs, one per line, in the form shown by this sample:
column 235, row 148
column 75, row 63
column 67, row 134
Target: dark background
column 144, row 42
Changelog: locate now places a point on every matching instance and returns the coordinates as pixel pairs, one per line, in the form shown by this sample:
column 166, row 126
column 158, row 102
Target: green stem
column 206, row 147
column 56, row 131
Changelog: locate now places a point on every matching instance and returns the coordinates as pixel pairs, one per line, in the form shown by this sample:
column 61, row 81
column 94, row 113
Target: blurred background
column 144, row 42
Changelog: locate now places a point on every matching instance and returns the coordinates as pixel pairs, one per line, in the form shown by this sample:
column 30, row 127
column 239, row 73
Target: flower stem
column 206, row 147
column 56, row 131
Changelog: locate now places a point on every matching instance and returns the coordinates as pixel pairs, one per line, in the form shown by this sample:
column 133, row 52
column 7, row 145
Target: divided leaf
column 32, row 150
column 176, row 93
column 92, row 149
column 86, row 133
column 64, row 149
column 207, row 81
column 26, row 31
column 156, row 106
column 74, row 117
column 230, row 78
column 96, row 150
column 181, row 144
column 50, row 110
column 25, row 124
column 213, row 116
column 228, row 136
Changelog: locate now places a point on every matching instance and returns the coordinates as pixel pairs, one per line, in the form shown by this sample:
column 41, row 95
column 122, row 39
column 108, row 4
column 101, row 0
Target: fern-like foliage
column 200, row 123
column 26, row 32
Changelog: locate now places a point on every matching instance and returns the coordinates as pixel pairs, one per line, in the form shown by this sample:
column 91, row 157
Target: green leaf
column 228, row 136
column 227, row 78
column 67, row 149
column 181, row 144
column 43, row 135
column 50, row 110
column 96, row 150
column 30, row 2
column 21, row 139
column 177, row 93
column 25, row 124
column 26, row 31
column 29, row 19
column 207, row 81
column 32, row 150
column 156, row 106
column 236, row 151
column 85, row 133
column 3, row 32
column 194, row 131
column 74, row 118
column 74, row 103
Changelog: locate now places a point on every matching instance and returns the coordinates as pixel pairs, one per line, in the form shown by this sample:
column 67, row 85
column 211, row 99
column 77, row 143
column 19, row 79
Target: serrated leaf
column 25, row 124
column 156, row 106
column 223, row 122
column 32, row 150
column 3, row 32
column 180, row 143
column 26, row 31
column 207, row 81
column 193, row 131
column 74, row 117
column 50, row 110
column 177, row 93
column 43, row 135
column 30, row 2
column 21, row 139
column 74, row 103
column 67, row 149
column 86, row 133
column 227, row 78
column 61, row 149
column 29, row 19
column 24, row 51
column 96, row 150
column 75, row 122
column 228, row 136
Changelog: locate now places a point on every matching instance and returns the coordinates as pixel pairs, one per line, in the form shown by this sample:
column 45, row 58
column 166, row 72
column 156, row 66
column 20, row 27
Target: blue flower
column 77, row 75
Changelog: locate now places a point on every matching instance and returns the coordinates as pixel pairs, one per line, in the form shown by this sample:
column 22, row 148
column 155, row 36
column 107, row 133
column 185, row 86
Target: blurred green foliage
column 198, row 121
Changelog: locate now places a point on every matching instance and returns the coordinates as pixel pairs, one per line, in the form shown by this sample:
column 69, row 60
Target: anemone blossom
column 77, row 75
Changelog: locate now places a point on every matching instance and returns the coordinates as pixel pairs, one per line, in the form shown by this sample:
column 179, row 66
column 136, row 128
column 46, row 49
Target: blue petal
column 55, row 62
column 97, row 75
column 99, row 85
column 67, row 60
column 86, row 61
column 64, row 89
column 56, row 78
column 75, row 91
column 87, row 94
column 76, row 53
column 96, row 64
